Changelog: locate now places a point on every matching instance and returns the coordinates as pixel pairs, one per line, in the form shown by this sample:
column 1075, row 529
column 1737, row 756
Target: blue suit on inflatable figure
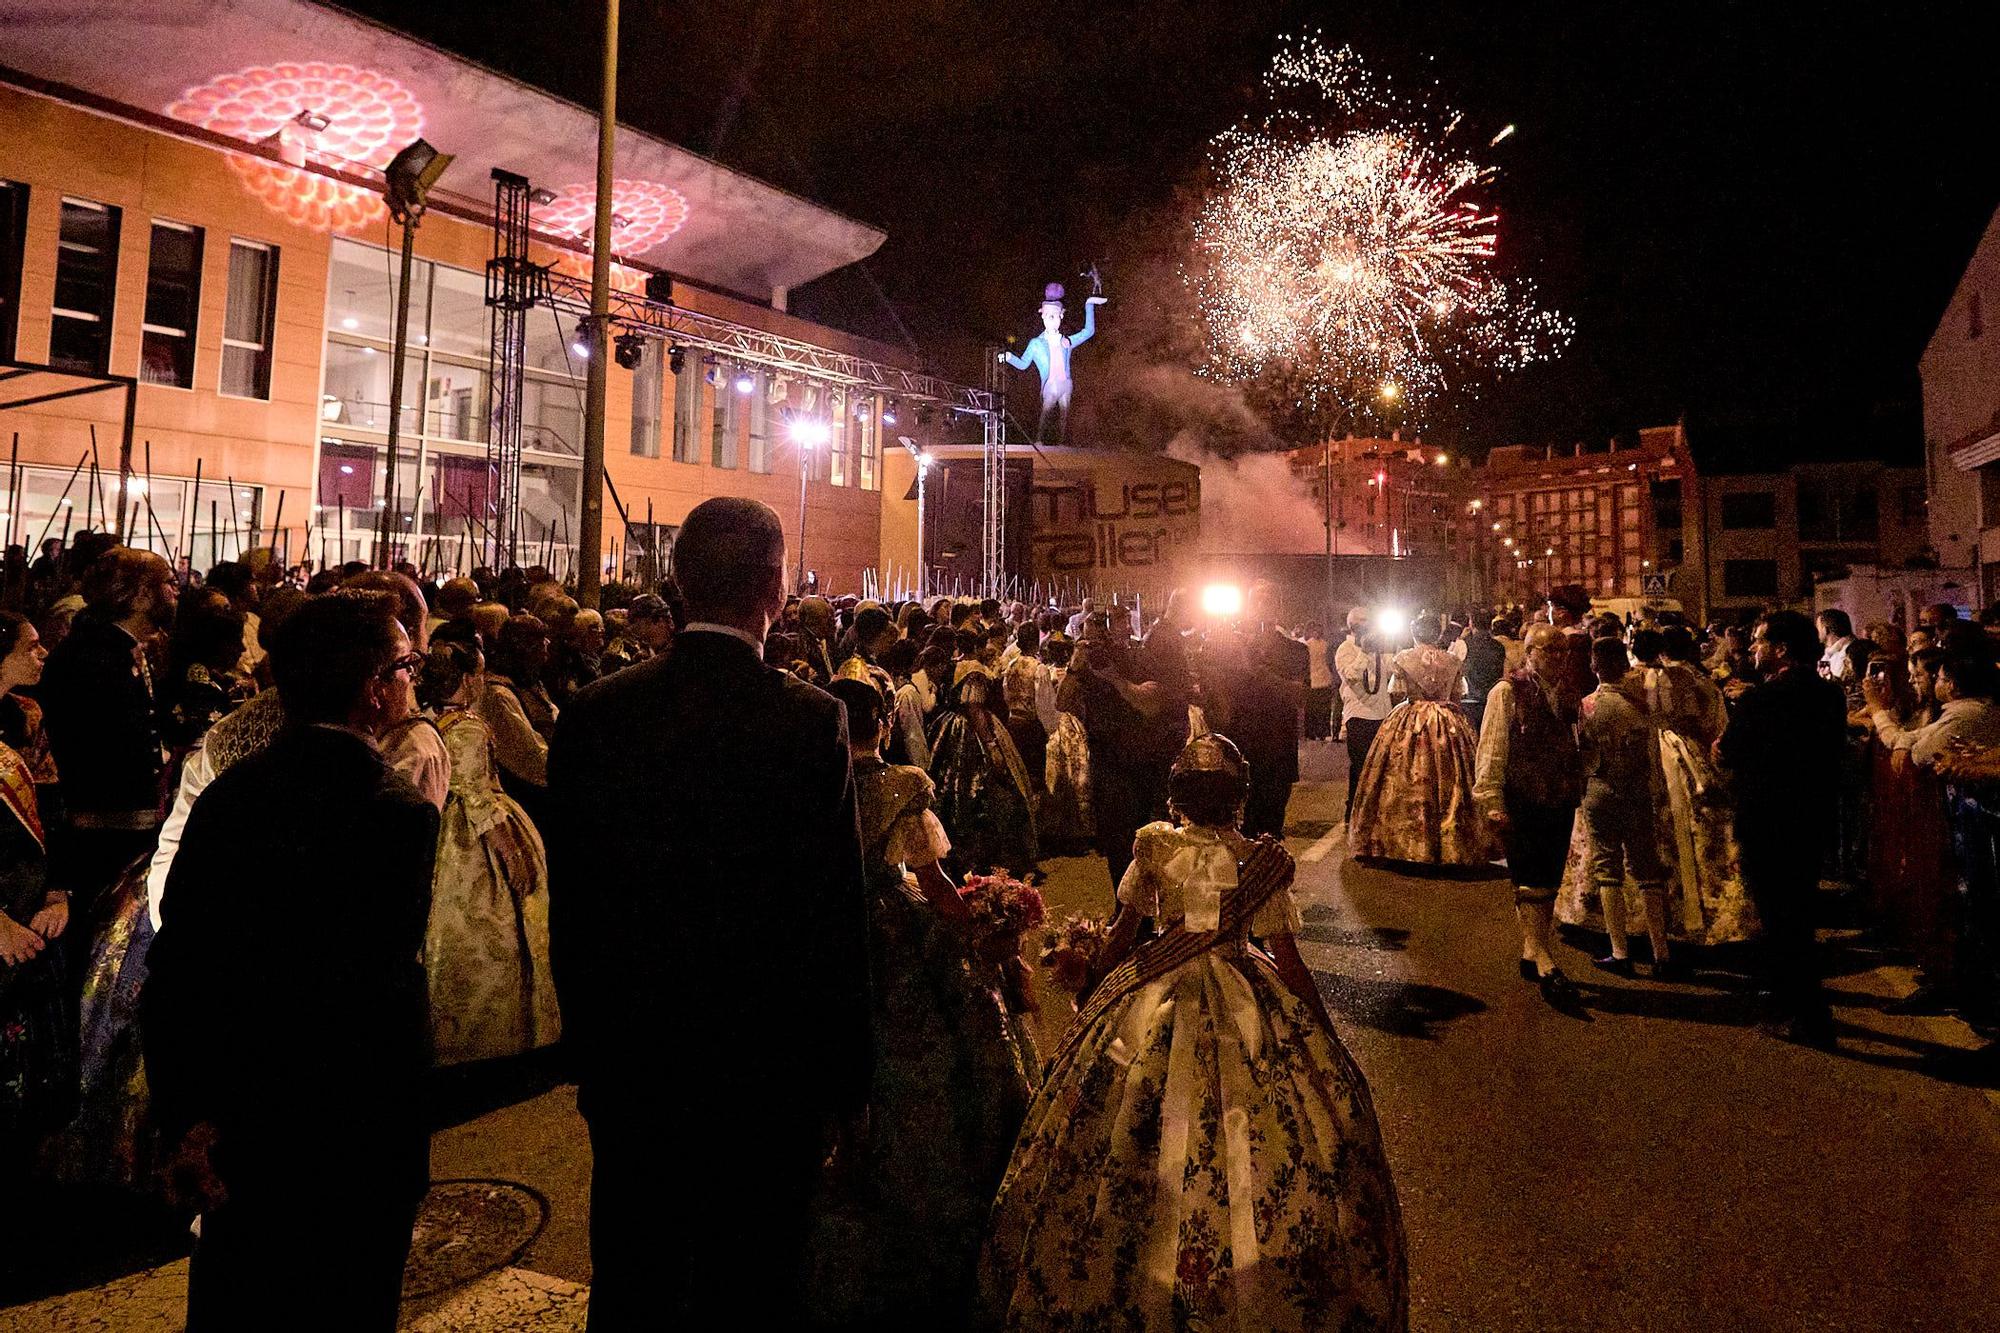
column 1049, row 352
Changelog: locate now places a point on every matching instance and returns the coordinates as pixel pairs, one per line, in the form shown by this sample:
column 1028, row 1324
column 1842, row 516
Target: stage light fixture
column 811, row 432
column 676, row 358
column 1222, row 600
column 746, row 383
column 313, row 121
column 889, row 413
column 410, row 174
column 541, row 196
column 630, row 349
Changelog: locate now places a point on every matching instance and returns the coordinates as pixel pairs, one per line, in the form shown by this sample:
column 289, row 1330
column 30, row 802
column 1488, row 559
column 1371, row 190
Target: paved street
column 1655, row 1164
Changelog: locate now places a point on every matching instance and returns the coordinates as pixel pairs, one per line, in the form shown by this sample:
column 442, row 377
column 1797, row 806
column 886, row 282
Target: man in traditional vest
column 1529, row 783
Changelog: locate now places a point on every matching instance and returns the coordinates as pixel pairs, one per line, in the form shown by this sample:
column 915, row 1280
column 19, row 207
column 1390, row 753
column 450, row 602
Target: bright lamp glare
column 1222, row 599
column 1392, row 622
column 746, row 384
column 811, row 432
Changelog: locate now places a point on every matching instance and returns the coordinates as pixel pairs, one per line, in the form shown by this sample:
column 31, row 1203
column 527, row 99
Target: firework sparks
column 1345, row 244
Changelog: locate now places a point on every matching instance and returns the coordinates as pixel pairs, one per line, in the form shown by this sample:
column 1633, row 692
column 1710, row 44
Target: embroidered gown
column 37, row 1031
column 954, row 1072
column 982, row 786
column 1706, row 900
column 1414, row 801
column 1204, row 1154
column 487, row 946
column 1065, row 814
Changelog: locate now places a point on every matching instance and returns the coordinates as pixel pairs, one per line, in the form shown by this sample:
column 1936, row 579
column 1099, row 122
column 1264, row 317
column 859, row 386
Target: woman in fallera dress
column 487, row 947
column 955, row 1067
column 1204, row 1153
column 1414, row 801
column 1706, row 902
column 983, row 791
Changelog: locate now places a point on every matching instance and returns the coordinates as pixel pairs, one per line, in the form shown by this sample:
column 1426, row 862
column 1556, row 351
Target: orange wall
column 58, row 149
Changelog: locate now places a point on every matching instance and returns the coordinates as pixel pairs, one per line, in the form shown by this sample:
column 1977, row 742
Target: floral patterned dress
column 954, row 1071
column 1204, row 1154
column 1064, row 819
column 1414, row 800
column 1706, row 900
column 487, row 947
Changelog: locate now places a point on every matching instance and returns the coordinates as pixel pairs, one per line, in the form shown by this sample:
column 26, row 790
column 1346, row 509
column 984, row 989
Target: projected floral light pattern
column 366, row 118
column 643, row 213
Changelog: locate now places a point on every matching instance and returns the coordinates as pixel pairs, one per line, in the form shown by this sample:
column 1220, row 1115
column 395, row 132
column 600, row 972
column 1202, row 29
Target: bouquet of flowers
column 1070, row 950
column 1003, row 910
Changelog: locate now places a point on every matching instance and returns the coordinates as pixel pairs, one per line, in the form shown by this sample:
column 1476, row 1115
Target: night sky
column 1754, row 212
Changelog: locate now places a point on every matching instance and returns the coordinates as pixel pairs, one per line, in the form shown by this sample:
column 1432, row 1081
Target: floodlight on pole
column 410, row 175
column 808, row 433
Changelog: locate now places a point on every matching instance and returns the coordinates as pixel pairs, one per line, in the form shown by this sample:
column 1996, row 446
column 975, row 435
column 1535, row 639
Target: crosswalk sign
column 1653, row 585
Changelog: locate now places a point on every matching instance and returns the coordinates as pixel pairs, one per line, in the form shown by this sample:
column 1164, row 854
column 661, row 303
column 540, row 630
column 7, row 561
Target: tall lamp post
column 410, row 175
column 808, row 433
column 923, row 461
column 590, row 527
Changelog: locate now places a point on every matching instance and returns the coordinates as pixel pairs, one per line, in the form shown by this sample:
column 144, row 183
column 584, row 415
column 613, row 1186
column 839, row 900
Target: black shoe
column 1617, row 967
column 1672, row 970
column 1529, row 972
column 1557, row 990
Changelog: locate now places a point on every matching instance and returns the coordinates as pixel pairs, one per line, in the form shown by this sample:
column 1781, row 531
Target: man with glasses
column 285, row 1014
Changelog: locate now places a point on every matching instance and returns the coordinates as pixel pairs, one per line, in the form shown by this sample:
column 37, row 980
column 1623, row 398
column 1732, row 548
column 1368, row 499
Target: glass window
column 760, row 422
column 459, row 317
column 1750, row 509
column 869, row 447
column 552, row 416
column 248, row 319
column 86, row 285
column 722, row 421
column 362, row 295
column 13, row 250
column 347, row 475
column 649, row 383
column 173, row 302
column 1750, row 578
column 454, row 402
column 549, row 343
column 687, row 410
column 357, row 387
column 836, row 449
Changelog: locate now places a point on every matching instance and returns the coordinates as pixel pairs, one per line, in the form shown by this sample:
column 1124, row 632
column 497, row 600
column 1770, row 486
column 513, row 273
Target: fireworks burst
column 1343, row 245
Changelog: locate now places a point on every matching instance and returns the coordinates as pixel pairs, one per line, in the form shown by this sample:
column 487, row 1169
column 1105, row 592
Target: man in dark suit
column 104, row 730
column 709, row 937
column 1262, row 675
column 285, row 1014
column 1783, row 751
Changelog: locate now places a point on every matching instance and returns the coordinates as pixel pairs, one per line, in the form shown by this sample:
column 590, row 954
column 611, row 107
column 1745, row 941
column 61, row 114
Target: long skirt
column 1706, row 900
column 982, row 798
column 486, row 949
column 896, row 1233
column 1065, row 819
column 111, row 1140
column 1414, row 801
column 1206, row 1156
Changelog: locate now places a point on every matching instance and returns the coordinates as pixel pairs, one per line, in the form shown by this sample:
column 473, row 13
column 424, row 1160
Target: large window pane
column 761, row 419
column 86, row 285
column 455, row 402
column 248, row 319
column 362, row 295
column 722, row 421
column 13, row 250
column 173, row 303
column 458, row 313
column 687, row 411
column 357, row 388
column 552, row 416
column 648, row 397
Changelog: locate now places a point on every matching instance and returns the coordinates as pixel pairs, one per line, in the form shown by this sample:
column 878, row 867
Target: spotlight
column 630, row 349
column 745, row 382
column 676, row 358
column 1222, row 600
column 810, row 432
column 1392, row 622
column 889, row 413
column 923, row 414
column 313, row 121
column 861, row 410
column 541, row 196
column 410, row 174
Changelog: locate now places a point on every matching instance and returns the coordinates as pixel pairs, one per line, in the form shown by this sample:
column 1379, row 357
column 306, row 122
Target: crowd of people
column 757, row 869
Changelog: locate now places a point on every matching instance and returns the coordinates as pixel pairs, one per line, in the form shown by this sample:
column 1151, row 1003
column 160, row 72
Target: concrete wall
column 1961, row 389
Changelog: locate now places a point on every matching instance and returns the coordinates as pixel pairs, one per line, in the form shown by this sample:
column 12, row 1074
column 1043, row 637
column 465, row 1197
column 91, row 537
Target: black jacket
column 1785, row 749
column 707, row 904
column 104, row 728
column 285, row 997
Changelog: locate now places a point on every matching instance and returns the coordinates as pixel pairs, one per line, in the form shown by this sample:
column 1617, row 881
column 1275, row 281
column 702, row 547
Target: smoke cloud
column 1252, row 504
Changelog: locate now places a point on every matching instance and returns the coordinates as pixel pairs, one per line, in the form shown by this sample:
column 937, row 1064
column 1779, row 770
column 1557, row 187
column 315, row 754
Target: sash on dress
column 1266, row 871
column 17, row 792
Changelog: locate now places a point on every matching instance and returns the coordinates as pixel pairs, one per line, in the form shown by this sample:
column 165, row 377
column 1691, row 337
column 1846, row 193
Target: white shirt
column 1834, row 659
column 1974, row 721
column 1357, row 669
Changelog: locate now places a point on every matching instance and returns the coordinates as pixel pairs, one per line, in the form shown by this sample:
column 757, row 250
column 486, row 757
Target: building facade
column 1399, row 499
column 198, row 239
column 1773, row 536
column 1618, row 521
column 1960, row 371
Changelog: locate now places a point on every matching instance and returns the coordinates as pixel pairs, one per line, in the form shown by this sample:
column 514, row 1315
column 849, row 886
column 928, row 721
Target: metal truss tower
column 993, row 472
column 514, row 285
